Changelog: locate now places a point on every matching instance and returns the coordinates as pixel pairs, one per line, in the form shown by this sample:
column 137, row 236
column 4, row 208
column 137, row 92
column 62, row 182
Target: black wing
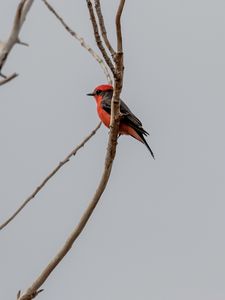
column 128, row 118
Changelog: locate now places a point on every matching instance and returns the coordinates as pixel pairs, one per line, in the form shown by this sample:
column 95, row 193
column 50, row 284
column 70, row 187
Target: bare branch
column 7, row 79
column 76, row 232
column 98, row 38
column 13, row 39
column 110, row 155
column 81, row 41
column 118, row 26
column 102, row 27
column 53, row 172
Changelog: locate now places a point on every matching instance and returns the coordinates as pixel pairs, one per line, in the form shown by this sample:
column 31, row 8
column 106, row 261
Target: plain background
column 158, row 231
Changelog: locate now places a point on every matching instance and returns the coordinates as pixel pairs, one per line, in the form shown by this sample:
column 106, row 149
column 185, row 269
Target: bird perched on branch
column 129, row 123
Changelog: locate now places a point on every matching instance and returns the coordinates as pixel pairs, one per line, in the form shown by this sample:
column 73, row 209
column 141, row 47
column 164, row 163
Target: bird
column 129, row 123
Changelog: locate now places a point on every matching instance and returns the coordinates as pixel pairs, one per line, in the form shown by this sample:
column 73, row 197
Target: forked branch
column 13, row 38
column 110, row 155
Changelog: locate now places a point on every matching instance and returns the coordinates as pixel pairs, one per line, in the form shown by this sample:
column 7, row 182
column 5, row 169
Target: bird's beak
column 91, row 94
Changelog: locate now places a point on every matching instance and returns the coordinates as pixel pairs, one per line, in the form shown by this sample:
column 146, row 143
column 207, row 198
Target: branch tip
column 7, row 79
column 118, row 27
column 19, row 42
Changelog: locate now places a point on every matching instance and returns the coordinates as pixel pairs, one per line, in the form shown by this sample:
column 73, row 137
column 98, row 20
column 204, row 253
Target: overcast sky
column 158, row 231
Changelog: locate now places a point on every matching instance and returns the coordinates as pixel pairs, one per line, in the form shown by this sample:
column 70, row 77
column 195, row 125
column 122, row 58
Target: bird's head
column 100, row 91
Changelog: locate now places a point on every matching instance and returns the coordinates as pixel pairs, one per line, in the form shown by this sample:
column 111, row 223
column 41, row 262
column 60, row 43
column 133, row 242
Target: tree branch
column 7, row 79
column 102, row 27
column 98, row 38
column 81, row 41
column 53, row 172
column 77, row 230
column 118, row 27
column 110, row 155
column 13, row 39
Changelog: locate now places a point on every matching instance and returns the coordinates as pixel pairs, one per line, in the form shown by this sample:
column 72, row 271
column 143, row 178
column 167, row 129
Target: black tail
column 141, row 132
column 146, row 144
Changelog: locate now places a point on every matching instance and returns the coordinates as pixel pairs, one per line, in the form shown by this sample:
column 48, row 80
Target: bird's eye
column 98, row 92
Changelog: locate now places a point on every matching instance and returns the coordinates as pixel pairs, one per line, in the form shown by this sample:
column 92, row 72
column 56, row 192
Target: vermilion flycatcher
column 129, row 123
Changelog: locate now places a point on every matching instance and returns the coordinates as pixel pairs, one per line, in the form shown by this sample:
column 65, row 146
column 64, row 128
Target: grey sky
column 158, row 231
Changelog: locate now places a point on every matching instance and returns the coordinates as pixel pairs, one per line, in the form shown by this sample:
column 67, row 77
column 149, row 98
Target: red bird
column 129, row 123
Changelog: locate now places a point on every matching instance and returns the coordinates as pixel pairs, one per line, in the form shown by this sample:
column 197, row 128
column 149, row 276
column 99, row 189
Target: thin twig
column 118, row 27
column 7, row 79
column 110, row 155
column 81, row 41
column 102, row 27
column 98, row 38
column 13, row 39
column 50, row 175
